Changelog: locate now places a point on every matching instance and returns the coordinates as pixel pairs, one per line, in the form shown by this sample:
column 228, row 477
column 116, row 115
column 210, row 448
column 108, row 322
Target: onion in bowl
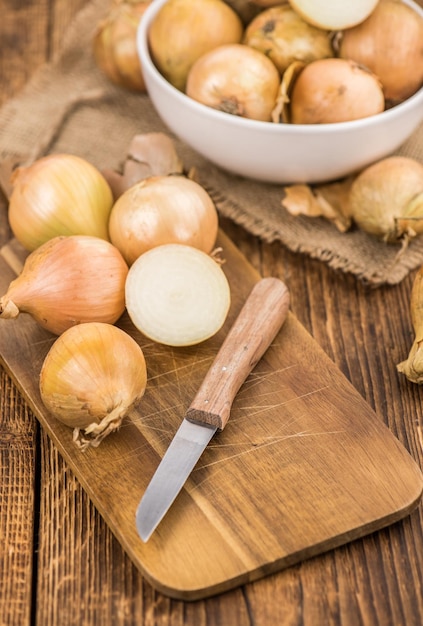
column 327, row 91
column 235, row 79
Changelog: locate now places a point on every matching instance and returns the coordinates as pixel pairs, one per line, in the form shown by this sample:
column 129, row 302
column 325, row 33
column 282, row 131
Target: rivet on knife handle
column 254, row 330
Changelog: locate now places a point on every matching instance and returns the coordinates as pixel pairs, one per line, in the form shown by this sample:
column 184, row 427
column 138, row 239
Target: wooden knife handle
column 256, row 326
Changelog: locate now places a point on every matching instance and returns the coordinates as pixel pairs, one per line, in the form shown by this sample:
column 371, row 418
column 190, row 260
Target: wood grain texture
column 303, row 465
column 375, row 581
column 18, row 431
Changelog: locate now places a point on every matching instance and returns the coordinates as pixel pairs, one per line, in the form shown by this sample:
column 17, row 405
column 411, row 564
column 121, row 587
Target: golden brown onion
column 235, row 79
column 59, row 194
column 91, row 377
column 281, row 34
column 334, row 90
column 386, row 199
column 183, row 30
column 390, row 44
column 114, row 44
column 163, row 209
column 68, row 281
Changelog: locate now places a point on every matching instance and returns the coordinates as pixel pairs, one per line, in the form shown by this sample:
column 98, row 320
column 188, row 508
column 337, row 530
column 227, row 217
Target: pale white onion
column 334, row 14
column 177, row 295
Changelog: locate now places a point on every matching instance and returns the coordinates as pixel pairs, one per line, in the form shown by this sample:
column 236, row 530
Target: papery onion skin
column 91, row 377
column 68, row 281
column 266, row 3
column 149, row 154
column 235, row 79
column 114, row 44
column 283, row 36
column 328, row 91
column 183, row 30
column 386, row 199
column 390, row 43
column 177, row 295
column 60, row 194
column 160, row 210
column 412, row 367
column 334, row 14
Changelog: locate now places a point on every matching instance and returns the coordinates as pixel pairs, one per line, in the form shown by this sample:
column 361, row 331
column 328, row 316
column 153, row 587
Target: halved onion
column 334, row 14
column 177, row 295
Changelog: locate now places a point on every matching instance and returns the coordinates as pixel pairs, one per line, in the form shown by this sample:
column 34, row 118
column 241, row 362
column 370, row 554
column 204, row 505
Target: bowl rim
column 378, row 119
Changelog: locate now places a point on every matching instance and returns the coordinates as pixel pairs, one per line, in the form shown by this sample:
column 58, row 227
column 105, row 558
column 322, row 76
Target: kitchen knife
column 256, row 326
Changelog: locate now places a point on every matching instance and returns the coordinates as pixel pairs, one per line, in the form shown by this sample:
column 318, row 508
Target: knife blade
column 256, row 326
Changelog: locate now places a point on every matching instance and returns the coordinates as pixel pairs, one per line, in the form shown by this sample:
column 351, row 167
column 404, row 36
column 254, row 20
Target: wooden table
column 59, row 562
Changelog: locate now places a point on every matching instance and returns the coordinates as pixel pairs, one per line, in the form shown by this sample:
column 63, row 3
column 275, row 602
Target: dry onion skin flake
column 177, row 295
column 91, row 377
column 412, row 367
column 60, row 194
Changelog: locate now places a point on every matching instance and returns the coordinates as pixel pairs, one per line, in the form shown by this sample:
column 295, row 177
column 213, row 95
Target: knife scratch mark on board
column 256, row 377
column 274, row 441
column 178, row 369
column 256, row 409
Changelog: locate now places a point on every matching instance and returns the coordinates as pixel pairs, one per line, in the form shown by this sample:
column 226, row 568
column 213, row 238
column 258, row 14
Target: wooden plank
column 18, row 432
column 308, row 470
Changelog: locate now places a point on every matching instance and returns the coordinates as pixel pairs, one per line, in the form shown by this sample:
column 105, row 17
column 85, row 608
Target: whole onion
column 114, row 44
column 281, row 34
column 334, row 14
column 235, row 79
column 161, row 210
column 390, row 44
column 59, row 194
column 334, row 90
column 386, row 199
column 91, row 377
column 183, row 30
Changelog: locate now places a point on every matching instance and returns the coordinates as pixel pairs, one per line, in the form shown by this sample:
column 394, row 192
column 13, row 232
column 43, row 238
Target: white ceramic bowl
column 277, row 153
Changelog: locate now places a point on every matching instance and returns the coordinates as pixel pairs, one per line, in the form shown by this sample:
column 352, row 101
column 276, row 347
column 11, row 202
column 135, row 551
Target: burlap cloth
column 69, row 106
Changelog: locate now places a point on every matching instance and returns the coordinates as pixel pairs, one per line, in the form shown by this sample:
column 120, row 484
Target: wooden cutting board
column 304, row 464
